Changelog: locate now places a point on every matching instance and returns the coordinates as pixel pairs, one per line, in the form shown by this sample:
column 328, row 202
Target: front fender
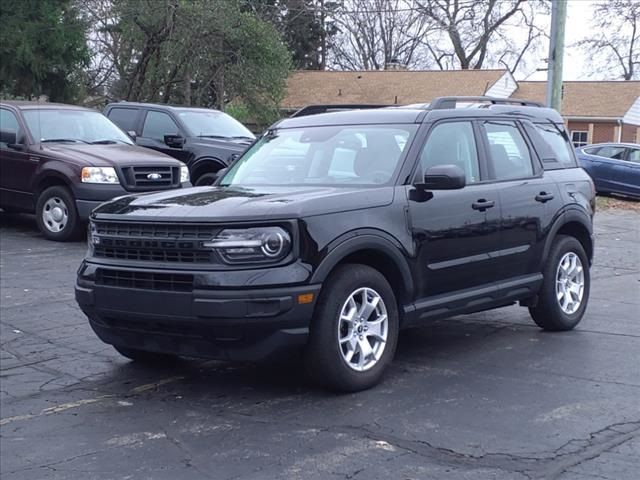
column 356, row 241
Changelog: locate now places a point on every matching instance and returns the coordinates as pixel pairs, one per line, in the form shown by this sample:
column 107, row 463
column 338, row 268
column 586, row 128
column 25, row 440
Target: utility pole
column 556, row 53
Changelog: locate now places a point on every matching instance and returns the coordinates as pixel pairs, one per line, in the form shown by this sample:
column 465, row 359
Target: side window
column 579, row 138
column 8, row 121
column 508, row 152
column 452, row 143
column 634, row 155
column 157, row 125
column 609, row 151
column 125, row 118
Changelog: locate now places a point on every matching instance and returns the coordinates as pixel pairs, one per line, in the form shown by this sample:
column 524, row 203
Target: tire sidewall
column 71, row 228
column 325, row 359
column 565, row 245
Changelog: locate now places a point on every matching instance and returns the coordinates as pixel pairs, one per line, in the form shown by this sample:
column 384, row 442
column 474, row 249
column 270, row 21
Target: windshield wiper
column 52, row 140
column 106, row 142
column 241, row 137
column 214, row 136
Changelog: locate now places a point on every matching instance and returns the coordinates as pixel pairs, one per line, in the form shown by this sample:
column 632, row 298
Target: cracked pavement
column 484, row 396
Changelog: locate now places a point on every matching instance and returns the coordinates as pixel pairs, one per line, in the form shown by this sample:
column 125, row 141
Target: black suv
column 62, row 161
column 206, row 140
column 336, row 230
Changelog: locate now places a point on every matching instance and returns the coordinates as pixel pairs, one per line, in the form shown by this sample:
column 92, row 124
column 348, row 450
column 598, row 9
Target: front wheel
column 56, row 214
column 354, row 331
column 206, row 179
column 565, row 289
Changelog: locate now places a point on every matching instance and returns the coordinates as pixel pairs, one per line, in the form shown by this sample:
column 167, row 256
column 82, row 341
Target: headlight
column 99, row 175
column 184, row 173
column 247, row 245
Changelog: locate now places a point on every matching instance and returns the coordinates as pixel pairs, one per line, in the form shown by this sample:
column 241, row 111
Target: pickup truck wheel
column 206, row 179
column 56, row 214
column 565, row 288
column 143, row 356
column 354, row 331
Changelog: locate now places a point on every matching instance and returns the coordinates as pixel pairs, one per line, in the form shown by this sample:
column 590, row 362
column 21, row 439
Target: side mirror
column 220, row 173
column 132, row 134
column 444, row 177
column 175, row 141
column 8, row 136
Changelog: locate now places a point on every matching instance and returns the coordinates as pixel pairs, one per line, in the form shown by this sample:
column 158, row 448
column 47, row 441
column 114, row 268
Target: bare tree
column 374, row 33
column 474, row 33
column 614, row 45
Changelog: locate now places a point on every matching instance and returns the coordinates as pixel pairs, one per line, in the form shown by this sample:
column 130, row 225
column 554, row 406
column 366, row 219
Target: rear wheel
column 354, row 331
column 56, row 214
column 565, row 289
column 143, row 356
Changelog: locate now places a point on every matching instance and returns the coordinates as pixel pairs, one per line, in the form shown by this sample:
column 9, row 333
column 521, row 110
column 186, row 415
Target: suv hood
column 219, row 204
column 108, row 155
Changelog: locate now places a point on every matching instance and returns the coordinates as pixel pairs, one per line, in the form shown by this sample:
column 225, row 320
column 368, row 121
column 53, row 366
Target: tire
column 143, row 356
column 206, row 179
column 326, row 357
column 549, row 313
column 56, row 214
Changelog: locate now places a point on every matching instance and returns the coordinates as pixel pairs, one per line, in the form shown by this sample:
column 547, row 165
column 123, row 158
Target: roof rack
column 442, row 103
column 315, row 109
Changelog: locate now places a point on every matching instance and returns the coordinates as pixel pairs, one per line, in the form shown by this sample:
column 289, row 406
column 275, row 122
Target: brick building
column 595, row 112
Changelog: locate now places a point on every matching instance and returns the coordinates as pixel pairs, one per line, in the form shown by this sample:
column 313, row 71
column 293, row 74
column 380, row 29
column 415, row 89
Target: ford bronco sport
column 62, row 161
column 336, row 230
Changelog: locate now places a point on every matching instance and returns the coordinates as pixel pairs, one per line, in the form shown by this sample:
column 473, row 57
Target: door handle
column 483, row 204
column 544, row 197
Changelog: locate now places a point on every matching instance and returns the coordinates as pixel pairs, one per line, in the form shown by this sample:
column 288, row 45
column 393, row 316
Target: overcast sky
column 576, row 65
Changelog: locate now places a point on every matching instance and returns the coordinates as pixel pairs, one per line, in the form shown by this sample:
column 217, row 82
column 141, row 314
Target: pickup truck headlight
column 184, row 173
column 248, row 245
column 99, row 175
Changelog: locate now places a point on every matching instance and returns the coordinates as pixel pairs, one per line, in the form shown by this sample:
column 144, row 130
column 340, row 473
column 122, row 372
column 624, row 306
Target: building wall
column 630, row 133
column 598, row 132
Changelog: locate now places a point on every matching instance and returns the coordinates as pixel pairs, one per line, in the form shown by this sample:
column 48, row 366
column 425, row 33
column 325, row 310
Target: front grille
column 154, row 242
column 142, row 254
column 169, row 282
column 151, row 177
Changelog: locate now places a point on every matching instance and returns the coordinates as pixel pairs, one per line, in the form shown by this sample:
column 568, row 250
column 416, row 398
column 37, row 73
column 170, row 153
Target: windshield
column 335, row 155
column 77, row 126
column 210, row 123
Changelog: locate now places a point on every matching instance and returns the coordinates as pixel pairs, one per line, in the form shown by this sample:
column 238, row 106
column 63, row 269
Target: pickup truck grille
column 151, row 177
column 170, row 282
column 154, row 242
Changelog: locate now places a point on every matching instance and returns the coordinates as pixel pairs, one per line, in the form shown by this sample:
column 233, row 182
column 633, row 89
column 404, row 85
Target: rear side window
column 508, row 151
column 634, row 155
column 617, row 153
column 125, row 118
column 559, row 143
column 157, row 125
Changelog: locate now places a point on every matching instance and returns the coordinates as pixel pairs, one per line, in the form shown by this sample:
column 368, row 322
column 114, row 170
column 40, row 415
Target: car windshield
column 210, row 123
column 330, row 155
column 73, row 126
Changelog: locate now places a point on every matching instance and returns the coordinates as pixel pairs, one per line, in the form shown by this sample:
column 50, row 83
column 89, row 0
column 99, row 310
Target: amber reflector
column 305, row 298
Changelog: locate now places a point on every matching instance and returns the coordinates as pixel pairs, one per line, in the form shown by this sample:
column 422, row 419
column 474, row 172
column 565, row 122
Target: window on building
column 579, row 138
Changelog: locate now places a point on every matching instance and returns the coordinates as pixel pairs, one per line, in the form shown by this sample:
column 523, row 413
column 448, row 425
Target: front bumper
column 231, row 324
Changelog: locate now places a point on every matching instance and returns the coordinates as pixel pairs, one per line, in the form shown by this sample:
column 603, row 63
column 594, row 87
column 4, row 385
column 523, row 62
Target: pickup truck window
column 8, row 121
column 157, row 125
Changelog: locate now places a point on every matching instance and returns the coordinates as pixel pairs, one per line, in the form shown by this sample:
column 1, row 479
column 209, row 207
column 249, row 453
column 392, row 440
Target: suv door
column 17, row 166
column 156, row 125
column 529, row 199
column 455, row 231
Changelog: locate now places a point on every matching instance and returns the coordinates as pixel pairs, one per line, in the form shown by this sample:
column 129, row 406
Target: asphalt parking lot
column 478, row 397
